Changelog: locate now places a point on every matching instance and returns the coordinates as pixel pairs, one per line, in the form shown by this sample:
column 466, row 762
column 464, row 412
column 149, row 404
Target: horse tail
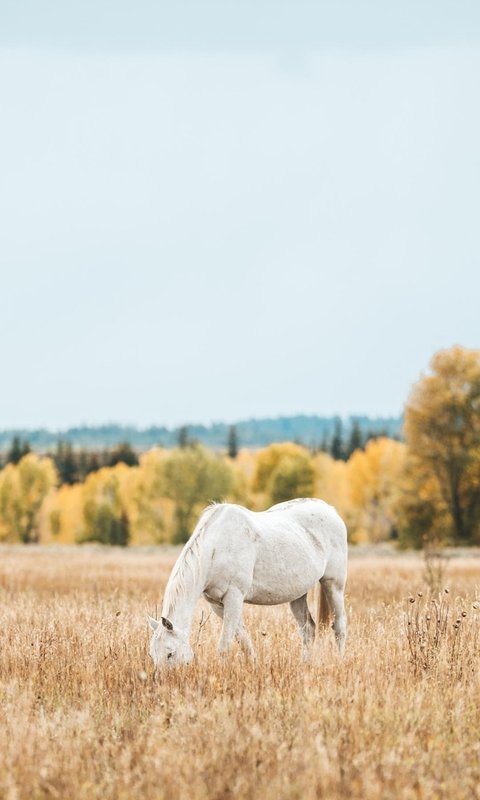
column 323, row 608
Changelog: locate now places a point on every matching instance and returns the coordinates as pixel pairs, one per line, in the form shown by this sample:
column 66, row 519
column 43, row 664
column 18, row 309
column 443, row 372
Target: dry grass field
column 82, row 717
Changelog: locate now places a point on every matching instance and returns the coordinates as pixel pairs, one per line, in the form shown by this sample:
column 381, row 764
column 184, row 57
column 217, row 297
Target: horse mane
column 186, row 570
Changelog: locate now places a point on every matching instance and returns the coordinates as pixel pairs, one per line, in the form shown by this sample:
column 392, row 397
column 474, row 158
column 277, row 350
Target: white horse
column 237, row 556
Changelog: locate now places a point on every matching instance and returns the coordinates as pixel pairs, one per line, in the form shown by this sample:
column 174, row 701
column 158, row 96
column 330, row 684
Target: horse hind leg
column 335, row 597
column 305, row 623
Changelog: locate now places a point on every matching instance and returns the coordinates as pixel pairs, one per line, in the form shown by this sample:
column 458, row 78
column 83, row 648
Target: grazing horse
column 237, row 556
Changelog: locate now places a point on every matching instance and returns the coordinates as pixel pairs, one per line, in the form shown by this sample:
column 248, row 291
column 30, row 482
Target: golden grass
column 82, row 717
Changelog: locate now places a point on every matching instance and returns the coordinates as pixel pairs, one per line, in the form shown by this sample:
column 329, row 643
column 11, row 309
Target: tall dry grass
column 82, row 717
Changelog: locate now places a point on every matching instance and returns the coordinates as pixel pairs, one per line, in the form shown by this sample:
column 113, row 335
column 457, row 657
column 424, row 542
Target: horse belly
column 284, row 572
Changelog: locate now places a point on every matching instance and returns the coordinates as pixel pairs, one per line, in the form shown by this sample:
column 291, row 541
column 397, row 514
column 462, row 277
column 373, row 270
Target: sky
column 221, row 210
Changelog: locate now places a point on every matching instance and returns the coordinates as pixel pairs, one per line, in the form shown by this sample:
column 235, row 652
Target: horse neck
column 184, row 589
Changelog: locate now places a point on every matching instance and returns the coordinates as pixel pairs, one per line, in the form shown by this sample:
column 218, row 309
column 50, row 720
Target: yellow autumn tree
column 192, row 477
column 331, row 481
column 61, row 516
column 23, row 489
column 155, row 520
column 442, row 430
column 283, row 472
column 110, row 505
column 373, row 478
column 243, row 469
column 108, row 500
column 422, row 514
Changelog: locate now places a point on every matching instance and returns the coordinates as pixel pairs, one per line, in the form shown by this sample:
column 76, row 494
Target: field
column 81, row 715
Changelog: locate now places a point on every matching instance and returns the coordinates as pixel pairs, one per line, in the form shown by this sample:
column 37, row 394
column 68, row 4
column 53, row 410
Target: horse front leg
column 241, row 635
column 232, row 621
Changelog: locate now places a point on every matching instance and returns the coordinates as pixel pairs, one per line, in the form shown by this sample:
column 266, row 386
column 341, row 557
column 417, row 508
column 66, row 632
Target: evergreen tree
column 17, row 450
column 93, row 462
column 87, row 461
column 355, row 440
column 232, row 442
column 66, row 462
column 82, row 464
column 123, row 453
column 371, row 435
column 336, row 447
column 182, row 438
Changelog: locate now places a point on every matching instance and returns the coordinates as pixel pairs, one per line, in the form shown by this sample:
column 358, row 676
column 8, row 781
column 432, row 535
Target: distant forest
column 314, row 432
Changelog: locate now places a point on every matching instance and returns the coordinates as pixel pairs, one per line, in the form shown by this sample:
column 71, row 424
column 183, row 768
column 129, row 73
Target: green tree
column 336, row 447
column 442, row 429
column 65, row 462
column 123, row 453
column 192, row 477
column 182, row 436
column 232, row 442
column 293, row 477
column 104, row 515
column 17, row 450
column 355, row 440
column 87, row 461
column 23, row 488
column 105, row 526
column 283, row 472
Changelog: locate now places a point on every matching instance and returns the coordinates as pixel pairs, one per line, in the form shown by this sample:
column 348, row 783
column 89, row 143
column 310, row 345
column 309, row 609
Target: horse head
column 169, row 645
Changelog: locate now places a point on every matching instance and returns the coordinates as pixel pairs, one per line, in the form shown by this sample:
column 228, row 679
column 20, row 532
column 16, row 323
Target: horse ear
column 167, row 624
column 153, row 623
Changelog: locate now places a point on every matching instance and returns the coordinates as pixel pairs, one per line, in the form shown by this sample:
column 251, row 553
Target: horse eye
column 169, row 655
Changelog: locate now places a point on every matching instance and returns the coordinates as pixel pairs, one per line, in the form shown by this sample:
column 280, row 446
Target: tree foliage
column 284, row 471
column 17, row 450
column 105, row 514
column 373, row 477
column 232, row 444
column 123, row 453
column 74, row 465
column 442, row 428
column 355, row 439
column 337, row 446
column 426, row 490
column 23, row 488
column 192, row 477
column 66, row 463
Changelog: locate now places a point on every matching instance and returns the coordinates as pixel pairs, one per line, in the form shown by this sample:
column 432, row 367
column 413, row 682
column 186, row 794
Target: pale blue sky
column 222, row 210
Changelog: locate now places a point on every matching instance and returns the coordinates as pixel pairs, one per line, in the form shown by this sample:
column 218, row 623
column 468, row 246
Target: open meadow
column 81, row 715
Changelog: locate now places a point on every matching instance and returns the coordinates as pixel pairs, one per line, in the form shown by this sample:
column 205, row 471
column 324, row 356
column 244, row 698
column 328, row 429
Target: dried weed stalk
column 435, row 565
column 442, row 635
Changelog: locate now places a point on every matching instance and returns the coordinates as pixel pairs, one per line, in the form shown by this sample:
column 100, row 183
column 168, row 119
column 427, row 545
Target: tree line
column 73, row 465
column 423, row 490
column 310, row 430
